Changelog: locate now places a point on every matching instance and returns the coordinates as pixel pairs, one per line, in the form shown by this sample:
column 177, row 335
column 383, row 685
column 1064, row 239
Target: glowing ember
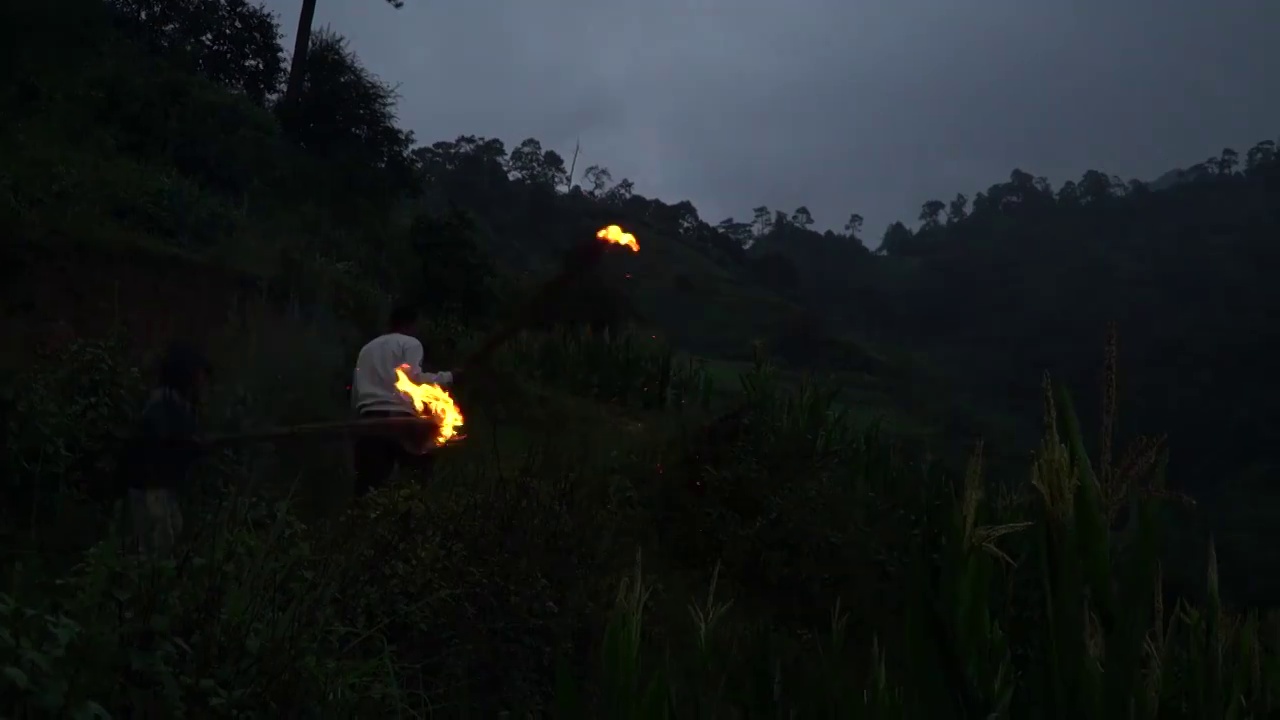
column 434, row 402
column 615, row 235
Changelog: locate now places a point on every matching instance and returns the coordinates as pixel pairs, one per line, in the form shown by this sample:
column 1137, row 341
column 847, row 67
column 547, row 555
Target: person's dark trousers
column 376, row 458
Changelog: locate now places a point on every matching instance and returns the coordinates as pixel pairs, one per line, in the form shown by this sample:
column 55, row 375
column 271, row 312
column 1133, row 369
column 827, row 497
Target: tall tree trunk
column 301, row 43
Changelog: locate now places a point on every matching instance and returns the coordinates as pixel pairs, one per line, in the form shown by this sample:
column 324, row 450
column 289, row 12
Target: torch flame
column 615, row 235
column 431, row 401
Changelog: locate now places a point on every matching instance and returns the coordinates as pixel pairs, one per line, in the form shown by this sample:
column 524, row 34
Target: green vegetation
column 648, row 517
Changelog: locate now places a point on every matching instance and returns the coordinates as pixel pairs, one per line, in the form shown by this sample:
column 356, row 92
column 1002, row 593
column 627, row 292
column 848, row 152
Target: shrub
column 59, row 438
column 241, row 620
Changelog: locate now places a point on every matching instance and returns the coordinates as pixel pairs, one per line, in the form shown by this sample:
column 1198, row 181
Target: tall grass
column 627, row 368
column 1034, row 604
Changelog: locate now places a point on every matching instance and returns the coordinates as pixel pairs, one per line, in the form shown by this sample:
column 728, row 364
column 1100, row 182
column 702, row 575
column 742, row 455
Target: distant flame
column 434, row 402
column 615, row 235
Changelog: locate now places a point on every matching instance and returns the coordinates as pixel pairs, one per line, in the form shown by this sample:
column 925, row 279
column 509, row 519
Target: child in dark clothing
column 167, row 448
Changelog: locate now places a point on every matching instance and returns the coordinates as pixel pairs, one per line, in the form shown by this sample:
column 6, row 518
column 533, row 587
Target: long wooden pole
column 366, row 426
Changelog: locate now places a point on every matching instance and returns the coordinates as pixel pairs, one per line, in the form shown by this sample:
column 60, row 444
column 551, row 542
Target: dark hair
column 181, row 367
column 402, row 316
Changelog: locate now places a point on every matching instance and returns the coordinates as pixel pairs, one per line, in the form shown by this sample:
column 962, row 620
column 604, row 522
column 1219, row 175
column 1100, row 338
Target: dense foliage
column 607, row 541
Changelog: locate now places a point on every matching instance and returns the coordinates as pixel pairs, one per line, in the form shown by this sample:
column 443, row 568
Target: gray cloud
column 840, row 105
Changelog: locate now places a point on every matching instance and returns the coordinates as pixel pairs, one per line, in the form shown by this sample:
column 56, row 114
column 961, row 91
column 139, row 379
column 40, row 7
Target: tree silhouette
column 1259, row 155
column 853, row 227
column 1228, row 161
column 597, row 179
column 761, row 221
column 231, row 42
column 931, row 213
column 957, row 209
column 532, row 164
column 897, row 240
column 302, row 47
column 739, row 232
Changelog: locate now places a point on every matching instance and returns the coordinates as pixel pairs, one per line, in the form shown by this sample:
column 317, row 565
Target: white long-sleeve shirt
column 373, row 385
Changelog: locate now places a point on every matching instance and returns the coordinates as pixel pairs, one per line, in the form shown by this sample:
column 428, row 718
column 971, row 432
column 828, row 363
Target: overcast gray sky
column 868, row 106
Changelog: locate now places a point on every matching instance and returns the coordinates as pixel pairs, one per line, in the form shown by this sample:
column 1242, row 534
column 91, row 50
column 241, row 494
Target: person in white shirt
column 373, row 394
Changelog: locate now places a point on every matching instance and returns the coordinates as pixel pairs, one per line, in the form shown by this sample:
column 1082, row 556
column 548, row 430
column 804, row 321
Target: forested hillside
column 1030, row 277
column 750, row 470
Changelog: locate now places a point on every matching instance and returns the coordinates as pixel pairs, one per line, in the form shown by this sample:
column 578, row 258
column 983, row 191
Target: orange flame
column 432, row 401
column 615, row 235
